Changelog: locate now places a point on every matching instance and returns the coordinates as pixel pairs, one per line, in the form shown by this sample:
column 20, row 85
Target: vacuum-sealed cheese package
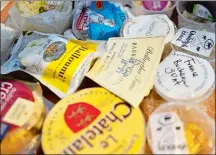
column 97, row 20
column 57, row 62
column 8, row 36
column 22, row 115
column 44, row 16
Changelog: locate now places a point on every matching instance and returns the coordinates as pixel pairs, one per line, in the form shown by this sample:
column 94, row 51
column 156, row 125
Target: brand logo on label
column 97, row 128
column 5, row 88
column 54, row 51
column 80, row 115
column 99, row 4
column 82, row 20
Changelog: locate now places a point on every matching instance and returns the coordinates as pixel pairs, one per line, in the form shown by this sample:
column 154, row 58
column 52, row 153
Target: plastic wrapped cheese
column 22, row 115
column 43, row 16
column 56, row 61
column 8, row 36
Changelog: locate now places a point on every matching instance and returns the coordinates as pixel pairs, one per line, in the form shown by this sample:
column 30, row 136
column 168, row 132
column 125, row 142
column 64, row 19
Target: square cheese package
column 56, row 61
column 129, row 66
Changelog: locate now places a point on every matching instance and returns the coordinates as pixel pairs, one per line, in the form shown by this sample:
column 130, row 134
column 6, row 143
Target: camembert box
column 93, row 121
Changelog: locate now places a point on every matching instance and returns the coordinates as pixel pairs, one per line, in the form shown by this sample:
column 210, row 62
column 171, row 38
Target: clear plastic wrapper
column 44, row 16
column 8, row 36
column 56, row 61
column 93, row 121
column 185, row 19
column 179, row 128
column 184, row 78
column 22, row 116
column 97, row 20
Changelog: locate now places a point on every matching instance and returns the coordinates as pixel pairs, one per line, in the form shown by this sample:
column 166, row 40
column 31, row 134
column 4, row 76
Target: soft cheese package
column 43, row 16
column 179, row 128
column 128, row 67
column 22, row 115
column 8, row 36
column 58, row 63
column 97, row 20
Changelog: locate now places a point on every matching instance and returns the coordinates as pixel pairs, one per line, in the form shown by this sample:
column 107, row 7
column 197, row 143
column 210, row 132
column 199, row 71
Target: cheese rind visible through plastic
column 93, row 121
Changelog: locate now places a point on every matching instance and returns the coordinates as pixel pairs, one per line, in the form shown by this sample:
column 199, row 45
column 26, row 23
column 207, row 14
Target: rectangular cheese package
column 56, row 61
column 129, row 66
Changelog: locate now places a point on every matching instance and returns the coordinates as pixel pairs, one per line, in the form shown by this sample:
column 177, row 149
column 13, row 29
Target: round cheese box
column 184, row 78
column 93, row 121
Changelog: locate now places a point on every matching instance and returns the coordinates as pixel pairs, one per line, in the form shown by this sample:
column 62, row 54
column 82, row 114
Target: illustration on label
column 54, row 51
column 167, row 133
column 128, row 66
column 80, row 115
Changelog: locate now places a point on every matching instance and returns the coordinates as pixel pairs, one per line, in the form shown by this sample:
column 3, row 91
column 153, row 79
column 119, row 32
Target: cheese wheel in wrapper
column 22, row 115
column 93, row 121
column 175, row 128
column 149, row 26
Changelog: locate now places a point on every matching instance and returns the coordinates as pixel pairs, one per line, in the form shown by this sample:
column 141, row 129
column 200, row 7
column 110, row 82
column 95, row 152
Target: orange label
column 99, row 4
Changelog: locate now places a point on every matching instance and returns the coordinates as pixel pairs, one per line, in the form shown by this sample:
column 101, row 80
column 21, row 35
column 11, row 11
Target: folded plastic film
column 56, row 61
column 39, row 16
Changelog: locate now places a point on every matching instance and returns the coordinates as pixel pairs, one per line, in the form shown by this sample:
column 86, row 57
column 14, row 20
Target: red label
column 80, row 115
column 10, row 92
column 81, row 21
column 99, row 4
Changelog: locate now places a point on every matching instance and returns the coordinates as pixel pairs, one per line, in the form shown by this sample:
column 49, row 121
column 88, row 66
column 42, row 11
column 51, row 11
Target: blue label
column 4, row 130
column 106, row 20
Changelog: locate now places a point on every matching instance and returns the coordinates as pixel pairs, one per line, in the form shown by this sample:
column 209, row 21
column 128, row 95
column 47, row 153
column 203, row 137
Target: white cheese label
column 20, row 112
column 195, row 41
column 184, row 77
column 167, row 133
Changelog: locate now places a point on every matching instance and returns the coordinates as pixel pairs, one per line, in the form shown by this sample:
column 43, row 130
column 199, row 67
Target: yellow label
column 93, row 121
column 129, row 67
column 59, row 72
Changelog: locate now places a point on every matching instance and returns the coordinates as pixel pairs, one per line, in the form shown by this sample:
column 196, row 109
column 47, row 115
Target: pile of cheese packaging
column 150, row 85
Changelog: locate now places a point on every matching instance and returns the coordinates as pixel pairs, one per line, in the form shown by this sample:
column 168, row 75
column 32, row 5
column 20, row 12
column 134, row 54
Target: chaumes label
column 93, row 121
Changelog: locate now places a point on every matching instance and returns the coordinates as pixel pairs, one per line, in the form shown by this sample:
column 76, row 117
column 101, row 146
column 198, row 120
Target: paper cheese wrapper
column 129, row 67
